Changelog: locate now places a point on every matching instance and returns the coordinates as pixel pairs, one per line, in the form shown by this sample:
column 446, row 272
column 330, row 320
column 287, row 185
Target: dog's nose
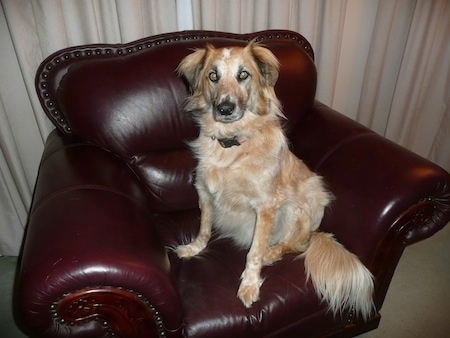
column 226, row 108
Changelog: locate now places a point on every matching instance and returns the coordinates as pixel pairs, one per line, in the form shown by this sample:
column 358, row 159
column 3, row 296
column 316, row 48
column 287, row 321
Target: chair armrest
column 386, row 197
column 92, row 263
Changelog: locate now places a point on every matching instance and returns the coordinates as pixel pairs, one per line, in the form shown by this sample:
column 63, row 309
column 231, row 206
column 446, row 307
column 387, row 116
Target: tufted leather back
column 127, row 99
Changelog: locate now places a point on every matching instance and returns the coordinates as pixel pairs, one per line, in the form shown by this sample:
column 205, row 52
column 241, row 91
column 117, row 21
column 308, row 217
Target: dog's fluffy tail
column 338, row 276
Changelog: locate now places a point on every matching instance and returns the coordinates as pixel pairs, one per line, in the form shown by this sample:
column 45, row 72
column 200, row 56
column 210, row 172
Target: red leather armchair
column 114, row 197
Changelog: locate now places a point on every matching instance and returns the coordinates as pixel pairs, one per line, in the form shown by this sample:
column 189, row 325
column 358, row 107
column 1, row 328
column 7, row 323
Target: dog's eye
column 243, row 75
column 213, row 77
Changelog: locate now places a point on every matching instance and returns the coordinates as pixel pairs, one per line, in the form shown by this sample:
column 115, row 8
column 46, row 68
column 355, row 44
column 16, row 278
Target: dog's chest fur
column 237, row 181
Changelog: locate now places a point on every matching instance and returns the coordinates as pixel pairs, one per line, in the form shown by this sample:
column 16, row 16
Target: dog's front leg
column 251, row 280
column 204, row 234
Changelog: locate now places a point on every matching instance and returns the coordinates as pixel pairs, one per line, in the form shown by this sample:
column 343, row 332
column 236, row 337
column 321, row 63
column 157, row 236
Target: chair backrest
column 128, row 99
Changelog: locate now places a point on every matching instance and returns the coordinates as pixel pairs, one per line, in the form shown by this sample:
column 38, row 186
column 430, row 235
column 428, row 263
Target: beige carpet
column 417, row 304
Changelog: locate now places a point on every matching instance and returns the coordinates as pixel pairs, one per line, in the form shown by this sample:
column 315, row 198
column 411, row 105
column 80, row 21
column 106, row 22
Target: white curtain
column 385, row 63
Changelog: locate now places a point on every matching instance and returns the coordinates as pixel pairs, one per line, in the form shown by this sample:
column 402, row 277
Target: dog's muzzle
column 227, row 111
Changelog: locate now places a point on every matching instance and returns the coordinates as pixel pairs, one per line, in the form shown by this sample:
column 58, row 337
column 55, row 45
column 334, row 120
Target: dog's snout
column 226, row 108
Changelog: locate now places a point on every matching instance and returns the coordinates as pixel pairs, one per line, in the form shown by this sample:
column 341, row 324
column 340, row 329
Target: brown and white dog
column 252, row 188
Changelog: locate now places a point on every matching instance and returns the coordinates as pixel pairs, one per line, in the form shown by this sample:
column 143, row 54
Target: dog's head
column 231, row 82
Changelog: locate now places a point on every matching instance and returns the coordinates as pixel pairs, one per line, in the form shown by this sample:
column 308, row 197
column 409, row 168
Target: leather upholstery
column 114, row 197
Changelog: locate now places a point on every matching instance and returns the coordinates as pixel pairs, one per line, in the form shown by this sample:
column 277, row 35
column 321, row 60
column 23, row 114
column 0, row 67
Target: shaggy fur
column 252, row 188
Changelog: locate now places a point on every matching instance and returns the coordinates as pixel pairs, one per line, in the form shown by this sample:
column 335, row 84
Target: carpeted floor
column 417, row 304
column 7, row 274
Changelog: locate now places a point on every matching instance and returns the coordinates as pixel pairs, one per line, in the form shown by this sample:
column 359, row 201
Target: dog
column 252, row 188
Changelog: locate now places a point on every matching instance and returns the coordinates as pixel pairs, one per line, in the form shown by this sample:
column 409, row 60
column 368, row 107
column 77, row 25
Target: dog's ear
column 191, row 66
column 267, row 63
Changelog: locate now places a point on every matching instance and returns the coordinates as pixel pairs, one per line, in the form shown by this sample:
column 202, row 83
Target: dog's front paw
column 188, row 250
column 248, row 291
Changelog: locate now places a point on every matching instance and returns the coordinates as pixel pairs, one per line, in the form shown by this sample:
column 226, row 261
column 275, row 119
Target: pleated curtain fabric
column 383, row 63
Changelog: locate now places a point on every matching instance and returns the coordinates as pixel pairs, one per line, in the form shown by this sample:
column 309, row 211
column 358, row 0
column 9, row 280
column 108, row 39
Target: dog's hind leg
column 204, row 234
column 275, row 253
column 296, row 238
column 251, row 280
